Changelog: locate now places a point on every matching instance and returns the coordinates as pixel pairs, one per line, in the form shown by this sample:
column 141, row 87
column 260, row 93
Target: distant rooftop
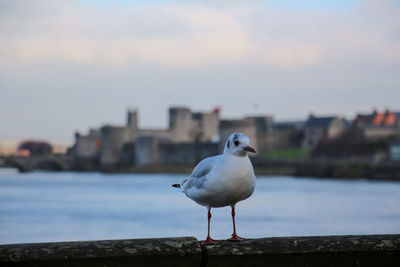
column 319, row 121
column 376, row 118
column 288, row 124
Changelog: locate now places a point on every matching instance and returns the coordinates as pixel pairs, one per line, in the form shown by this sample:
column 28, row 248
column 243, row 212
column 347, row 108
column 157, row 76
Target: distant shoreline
column 389, row 171
column 347, row 171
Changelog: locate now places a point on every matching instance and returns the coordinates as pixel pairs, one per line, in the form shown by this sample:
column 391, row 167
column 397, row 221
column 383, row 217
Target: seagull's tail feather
column 180, row 185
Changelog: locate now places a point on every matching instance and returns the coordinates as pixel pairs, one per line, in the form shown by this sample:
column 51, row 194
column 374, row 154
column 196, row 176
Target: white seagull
column 222, row 180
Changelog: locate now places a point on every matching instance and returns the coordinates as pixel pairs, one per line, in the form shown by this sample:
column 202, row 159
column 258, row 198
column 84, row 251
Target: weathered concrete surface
column 372, row 250
column 369, row 250
column 182, row 251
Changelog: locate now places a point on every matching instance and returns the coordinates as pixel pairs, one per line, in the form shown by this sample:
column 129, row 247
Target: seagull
column 222, row 180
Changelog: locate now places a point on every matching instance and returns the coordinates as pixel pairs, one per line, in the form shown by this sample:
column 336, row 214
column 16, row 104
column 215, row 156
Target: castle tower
column 188, row 126
column 180, row 124
column 132, row 119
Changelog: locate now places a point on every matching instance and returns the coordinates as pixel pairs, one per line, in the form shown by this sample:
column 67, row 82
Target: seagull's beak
column 249, row 149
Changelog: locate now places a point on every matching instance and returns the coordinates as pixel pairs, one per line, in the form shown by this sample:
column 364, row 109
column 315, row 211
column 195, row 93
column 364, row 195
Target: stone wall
column 87, row 146
column 208, row 125
column 186, row 127
column 146, row 150
column 282, row 137
column 262, row 126
column 113, row 140
column 368, row 250
column 180, row 124
column 186, row 153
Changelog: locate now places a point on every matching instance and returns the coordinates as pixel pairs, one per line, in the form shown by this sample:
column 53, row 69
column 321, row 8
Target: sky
column 68, row 66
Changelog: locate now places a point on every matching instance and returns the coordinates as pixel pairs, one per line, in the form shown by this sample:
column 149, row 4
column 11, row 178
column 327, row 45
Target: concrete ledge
column 369, row 250
column 185, row 251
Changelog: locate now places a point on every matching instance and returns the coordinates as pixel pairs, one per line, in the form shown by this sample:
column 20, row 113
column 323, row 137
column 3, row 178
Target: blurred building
column 34, row 148
column 131, row 145
column 186, row 126
column 265, row 134
column 87, row 146
column 377, row 125
column 15, row 147
column 394, row 150
column 285, row 135
column 370, row 137
column 192, row 136
column 317, row 129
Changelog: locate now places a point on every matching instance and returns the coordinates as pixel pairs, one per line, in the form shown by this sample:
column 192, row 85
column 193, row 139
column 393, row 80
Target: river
column 70, row 206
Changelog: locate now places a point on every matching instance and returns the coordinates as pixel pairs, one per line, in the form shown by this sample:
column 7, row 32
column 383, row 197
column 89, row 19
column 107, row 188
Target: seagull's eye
column 236, row 142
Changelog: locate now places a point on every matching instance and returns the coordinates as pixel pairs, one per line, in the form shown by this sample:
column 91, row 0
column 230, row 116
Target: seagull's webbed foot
column 235, row 237
column 210, row 241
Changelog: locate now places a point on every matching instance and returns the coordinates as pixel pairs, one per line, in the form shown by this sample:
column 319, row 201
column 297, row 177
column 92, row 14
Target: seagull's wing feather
column 203, row 168
column 199, row 174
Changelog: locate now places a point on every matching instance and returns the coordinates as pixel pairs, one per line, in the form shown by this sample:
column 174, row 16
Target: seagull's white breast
column 231, row 180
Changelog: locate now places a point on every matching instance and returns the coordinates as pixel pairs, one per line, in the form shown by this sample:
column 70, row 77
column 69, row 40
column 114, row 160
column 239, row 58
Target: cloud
column 196, row 36
column 190, row 35
column 85, row 62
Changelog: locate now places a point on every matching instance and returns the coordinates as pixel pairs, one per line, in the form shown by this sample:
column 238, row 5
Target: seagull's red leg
column 209, row 240
column 234, row 236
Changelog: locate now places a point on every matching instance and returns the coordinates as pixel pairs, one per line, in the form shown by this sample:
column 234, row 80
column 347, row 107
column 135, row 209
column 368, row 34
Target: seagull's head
column 238, row 144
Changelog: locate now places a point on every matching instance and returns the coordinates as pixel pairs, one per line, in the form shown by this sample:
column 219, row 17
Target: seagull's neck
column 235, row 155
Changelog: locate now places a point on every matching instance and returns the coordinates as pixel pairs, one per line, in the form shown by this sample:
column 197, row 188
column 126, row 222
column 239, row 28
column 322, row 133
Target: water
column 67, row 206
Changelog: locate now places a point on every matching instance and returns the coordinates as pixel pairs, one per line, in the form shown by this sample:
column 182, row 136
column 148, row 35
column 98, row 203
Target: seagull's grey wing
column 199, row 174
column 203, row 168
